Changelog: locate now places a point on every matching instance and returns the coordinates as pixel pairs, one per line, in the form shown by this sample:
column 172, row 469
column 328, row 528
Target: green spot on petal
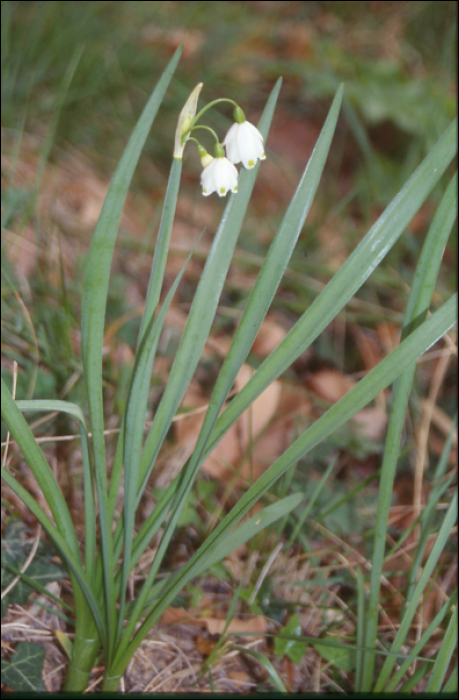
column 251, row 163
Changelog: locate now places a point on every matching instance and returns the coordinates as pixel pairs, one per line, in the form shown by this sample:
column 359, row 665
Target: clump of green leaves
column 106, row 620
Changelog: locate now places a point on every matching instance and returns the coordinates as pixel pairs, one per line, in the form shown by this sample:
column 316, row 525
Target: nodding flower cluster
column 242, row 144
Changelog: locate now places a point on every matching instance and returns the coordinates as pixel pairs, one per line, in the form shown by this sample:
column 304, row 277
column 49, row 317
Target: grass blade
column 267, row 665
column 439, row 545
column 452, row 682
column 426, row 635
column 418, row 303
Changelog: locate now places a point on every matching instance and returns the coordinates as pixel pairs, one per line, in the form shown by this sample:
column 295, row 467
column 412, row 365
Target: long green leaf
column 262, row 294
column 193, row 340
column 135, row 420
column 451, row 685
column 94, row 301
column 40, row 468
column 40, row 405
column 369, row 387
column 75, row 411
column 226, row 544
column 148, row 340
column 162, row 245
column 60, row 542
column 357, row 268
column 364, row 392
column 146, row 351
column 63, row 536
column 204, row 305
column 273, row 267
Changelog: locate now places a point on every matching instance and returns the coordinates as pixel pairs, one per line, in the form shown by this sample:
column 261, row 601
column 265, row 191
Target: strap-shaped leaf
column 40, row 405
column 378, row 379
column 94, row 301
column 61, row 544
column 345, row 283
column 263, row 293
column 204, row 305
column 226, row 544
column 359, row 396
column 73, row 410
column 194, row 337
column 40, row 468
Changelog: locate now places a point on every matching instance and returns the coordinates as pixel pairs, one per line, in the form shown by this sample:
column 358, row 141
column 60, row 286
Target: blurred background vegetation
column 397, row 60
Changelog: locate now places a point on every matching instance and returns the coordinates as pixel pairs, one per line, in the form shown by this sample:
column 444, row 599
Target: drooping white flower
column 244, row 143
column 219, row 176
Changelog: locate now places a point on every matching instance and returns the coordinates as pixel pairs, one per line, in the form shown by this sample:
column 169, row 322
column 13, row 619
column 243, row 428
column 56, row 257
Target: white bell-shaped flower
column 219, row 175
column 243, row 142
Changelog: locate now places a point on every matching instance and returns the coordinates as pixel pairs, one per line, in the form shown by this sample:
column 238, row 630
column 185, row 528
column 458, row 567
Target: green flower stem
column 211, row 104
column 200, row 126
